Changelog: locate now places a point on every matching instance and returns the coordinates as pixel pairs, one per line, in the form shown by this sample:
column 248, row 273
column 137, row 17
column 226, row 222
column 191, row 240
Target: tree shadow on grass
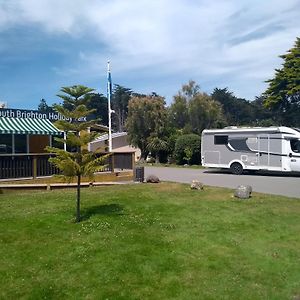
column 105, row 209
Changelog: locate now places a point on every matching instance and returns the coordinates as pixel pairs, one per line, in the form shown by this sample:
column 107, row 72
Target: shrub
column 187, row 149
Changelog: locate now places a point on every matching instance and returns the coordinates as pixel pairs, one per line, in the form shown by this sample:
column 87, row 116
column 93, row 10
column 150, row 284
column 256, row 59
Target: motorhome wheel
column 236, row 168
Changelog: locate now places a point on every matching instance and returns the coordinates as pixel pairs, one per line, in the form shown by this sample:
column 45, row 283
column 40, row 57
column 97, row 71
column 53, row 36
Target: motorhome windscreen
column 295, row 145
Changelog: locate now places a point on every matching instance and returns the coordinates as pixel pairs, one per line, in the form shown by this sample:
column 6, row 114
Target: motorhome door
column 264, row 150
column 294, row 155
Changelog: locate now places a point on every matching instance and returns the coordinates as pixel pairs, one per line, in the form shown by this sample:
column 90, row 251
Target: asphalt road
column 269, row 183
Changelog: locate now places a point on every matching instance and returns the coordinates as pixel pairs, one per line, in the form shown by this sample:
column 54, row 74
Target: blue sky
column 153, row 45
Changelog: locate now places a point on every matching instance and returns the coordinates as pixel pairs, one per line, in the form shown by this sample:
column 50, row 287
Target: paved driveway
column 278, row 184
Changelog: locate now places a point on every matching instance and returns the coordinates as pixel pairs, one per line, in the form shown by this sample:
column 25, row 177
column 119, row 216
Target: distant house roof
column 125, row 149
column 104, row 137
column 100, row 127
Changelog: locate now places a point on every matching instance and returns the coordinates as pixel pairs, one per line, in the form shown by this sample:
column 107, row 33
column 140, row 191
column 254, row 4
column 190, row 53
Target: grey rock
column 196, row 185
column 152, row 179
column 243, row 192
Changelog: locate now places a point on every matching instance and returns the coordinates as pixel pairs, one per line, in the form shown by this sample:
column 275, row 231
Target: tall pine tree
column 283, row 93
column 80, row 162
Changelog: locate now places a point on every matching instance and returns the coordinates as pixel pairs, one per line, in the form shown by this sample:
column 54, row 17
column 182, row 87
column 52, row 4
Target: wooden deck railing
column 38, row 165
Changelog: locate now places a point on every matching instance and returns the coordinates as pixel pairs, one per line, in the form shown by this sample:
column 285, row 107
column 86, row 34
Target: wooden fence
column 38, row 165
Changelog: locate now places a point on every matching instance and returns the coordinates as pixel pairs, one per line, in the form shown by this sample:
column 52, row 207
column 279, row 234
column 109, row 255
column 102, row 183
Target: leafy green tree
column 44, row 107
column 193, row 110
column 190, row 90
column 98, row 102
column 81, row 162
column 179, row 108
column 120, row 99
column 283, row 92
column 264, row 116
column 187, row 149
column 179, row 111
column 146, row 118
column 171, row 140
column 204, row 112
column 237, row 111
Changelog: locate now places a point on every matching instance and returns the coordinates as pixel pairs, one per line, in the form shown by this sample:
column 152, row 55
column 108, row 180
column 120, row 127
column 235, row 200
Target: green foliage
column 237, row 111
column 75, row 95
column 193, row 111
column 187, row 149
column 179, row 112
column 179, row 109
column 205, row 113
column 44, row 107
column 155, row 145
column 120, row 100
column 283, row 92
column 146, row 118
column 264, row 116
column 190, row 90
column 74, row 164
column 81, row 162
column 98, row 102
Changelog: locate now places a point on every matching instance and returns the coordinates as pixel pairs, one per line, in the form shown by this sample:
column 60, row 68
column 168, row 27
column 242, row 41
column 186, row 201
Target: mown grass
column 145, row 241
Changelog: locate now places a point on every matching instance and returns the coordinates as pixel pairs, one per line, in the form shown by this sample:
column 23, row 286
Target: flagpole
column 109, row 107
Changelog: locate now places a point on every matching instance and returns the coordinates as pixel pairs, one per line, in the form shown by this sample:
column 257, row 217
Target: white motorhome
column 251, row 148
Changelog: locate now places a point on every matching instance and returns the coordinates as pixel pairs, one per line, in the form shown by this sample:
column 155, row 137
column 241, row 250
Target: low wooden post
column 133, row 165
column 133, row 160
column 112, row 162
column 34, row 167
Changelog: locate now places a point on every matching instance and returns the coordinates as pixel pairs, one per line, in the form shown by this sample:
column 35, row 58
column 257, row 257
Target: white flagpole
column 109, row 107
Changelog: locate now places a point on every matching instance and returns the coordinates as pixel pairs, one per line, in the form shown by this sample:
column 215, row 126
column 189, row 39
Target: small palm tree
column 155, row 144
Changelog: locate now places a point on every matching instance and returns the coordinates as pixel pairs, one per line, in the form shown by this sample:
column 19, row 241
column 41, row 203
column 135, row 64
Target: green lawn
column 147, row 241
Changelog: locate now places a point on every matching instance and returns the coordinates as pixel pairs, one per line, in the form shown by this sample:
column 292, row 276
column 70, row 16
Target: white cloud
column 234, row 39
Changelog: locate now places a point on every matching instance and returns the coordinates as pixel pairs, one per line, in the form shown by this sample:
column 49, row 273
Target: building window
column 20, row 143
column 5, row 143
column 221, row 139
column 55, row 143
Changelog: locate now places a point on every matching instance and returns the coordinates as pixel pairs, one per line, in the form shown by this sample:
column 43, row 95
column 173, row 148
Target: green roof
column 27, row 126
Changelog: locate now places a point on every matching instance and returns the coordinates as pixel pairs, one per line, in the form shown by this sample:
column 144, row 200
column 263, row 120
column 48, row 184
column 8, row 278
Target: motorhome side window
column 295, row 145
column 221, row 139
